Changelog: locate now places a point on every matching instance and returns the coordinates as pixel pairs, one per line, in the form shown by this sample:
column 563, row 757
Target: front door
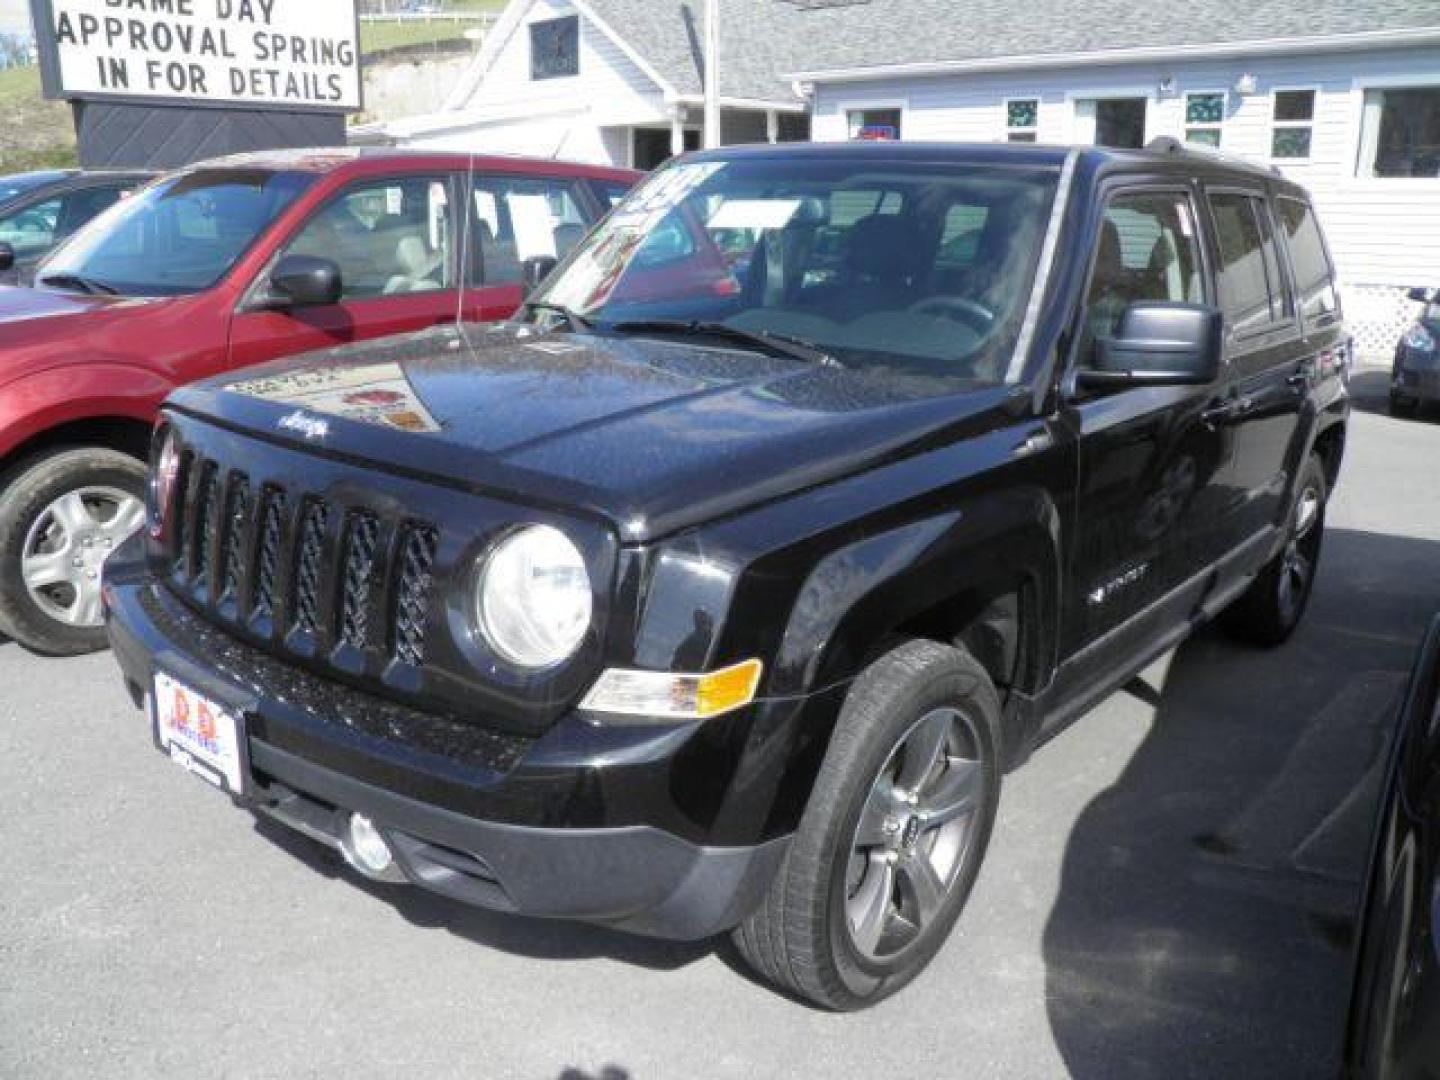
column 1150, row 463
column 394, row 242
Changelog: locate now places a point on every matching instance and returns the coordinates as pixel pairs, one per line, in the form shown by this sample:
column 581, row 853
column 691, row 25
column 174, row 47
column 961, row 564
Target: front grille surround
column 312, row 575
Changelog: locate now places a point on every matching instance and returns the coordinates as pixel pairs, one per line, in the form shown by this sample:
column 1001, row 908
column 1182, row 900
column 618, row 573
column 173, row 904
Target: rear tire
column 61, row 515
column 893, row 836
column 1403, row 406
column 1270, row 610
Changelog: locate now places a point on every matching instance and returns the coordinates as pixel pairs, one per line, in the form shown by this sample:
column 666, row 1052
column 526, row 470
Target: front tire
column 61, row 515
column 1269, row 611
column 893, row 836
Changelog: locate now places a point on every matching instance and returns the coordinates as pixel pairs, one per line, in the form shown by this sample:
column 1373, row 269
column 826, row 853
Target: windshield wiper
column 792, row 348
column 574, row 318
column 79, row 281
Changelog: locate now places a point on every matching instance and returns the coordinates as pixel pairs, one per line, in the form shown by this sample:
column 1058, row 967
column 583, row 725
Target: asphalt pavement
column 1169, row 893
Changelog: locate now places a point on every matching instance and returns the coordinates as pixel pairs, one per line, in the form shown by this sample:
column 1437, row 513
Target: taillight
column 163, row 475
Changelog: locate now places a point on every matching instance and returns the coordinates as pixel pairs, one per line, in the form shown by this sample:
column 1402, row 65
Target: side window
column 517, row 218
column 1148, row 250
column 31, row 231
column 1252, row 294
column 388, row 237
column 1314, row 277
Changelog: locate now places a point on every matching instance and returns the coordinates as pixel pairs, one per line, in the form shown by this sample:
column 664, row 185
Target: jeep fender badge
column 307, row 427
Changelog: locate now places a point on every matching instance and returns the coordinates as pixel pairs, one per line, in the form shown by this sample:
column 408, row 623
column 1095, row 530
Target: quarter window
column 1252, row 294
column 555, row 48
column 1400, row 135
column 389, row 237
column 1293, row 120
column 517, row 218
column 1022, row 120
column 1148, row 250
column 1314, row 276
column 874, row 125
column 1204, row 118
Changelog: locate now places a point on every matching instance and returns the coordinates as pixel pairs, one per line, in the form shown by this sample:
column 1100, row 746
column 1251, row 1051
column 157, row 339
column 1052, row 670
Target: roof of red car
column 363, row 158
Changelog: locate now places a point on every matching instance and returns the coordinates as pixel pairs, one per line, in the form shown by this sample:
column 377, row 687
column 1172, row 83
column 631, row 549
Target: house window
column 555, row 48
column 874, row 125
column 1204, row 118
column 1400, row 135
column 1293, row 123
column 1022, row 120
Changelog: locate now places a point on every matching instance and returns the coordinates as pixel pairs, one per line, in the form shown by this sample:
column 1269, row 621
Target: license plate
column 199, row 734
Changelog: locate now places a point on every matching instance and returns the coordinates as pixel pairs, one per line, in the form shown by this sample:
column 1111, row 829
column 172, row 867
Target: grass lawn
column 34, row 133
column 379, row 36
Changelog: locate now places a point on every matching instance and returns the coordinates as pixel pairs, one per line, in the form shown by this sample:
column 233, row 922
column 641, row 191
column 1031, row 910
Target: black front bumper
column 475, row 815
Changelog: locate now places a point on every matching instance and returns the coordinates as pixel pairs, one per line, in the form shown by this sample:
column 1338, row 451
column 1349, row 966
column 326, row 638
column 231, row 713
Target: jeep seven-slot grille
column 301, row 571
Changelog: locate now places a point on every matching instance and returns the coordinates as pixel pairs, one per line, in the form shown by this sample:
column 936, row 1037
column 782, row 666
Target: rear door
column 1266, row 354
column 394, row 240
column 514, row 217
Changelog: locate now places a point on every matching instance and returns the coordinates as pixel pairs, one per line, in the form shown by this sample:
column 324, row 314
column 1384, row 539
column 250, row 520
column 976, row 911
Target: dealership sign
column 291, row 54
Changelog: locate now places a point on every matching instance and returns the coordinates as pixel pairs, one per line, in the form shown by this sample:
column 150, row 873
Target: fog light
column 366, row 847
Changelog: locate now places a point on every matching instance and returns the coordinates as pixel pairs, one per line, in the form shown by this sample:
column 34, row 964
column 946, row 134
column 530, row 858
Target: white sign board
column 299, row 54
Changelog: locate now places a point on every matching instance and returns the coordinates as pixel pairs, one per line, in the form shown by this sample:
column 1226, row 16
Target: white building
column 615, row 82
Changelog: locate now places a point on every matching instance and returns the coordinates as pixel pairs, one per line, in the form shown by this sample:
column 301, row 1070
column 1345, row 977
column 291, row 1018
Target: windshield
column 178, row 236
column 923, row 268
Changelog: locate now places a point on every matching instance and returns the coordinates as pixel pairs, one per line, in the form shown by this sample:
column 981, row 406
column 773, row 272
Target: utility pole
column 712, row 74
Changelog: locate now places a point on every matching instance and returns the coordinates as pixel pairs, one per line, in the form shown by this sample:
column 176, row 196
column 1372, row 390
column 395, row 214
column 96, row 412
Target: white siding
column 610, row 85
column 585, row 118
column 1383, row 232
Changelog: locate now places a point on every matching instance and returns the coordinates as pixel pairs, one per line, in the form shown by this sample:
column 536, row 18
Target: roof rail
column 1168, row 144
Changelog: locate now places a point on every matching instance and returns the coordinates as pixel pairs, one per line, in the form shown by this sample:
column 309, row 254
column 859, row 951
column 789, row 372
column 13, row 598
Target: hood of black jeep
column 651, row 432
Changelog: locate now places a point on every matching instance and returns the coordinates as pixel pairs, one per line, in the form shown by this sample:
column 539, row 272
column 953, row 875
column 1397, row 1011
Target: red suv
column 223, row 265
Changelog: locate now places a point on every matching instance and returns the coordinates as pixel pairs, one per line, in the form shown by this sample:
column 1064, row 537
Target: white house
column 616, row 82
column 1341, row 95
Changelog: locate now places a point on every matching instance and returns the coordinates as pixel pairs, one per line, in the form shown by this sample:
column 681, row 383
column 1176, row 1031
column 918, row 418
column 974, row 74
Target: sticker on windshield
column 754, row 214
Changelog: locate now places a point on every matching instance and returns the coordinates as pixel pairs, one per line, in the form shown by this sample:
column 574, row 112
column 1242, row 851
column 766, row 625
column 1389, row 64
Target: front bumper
column 477, row 816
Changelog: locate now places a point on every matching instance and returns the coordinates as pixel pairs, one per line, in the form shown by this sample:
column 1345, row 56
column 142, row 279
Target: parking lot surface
column 1169, row 891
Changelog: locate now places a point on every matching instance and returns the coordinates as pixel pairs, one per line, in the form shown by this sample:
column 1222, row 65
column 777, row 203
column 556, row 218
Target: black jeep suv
column 718, row 591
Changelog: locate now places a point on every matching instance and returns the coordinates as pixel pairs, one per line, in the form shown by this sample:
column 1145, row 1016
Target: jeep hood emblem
column 307, row 427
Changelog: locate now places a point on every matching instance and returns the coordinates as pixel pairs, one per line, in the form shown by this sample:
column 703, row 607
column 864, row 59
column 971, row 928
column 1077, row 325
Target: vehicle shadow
column 1207, row 902
column 541, row 939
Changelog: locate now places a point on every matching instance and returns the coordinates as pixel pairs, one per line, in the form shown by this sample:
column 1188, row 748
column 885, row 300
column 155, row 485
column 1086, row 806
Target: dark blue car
column 40, row 209
column 1415, row 378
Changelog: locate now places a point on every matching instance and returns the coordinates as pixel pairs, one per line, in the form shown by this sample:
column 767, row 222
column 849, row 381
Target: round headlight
column 533, row 599
column 162, row 485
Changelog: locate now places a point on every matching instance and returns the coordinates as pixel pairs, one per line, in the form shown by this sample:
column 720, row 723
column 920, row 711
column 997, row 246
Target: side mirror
column 7, row 257
column 1420, row 296
column 1159, row 343
column 535, row 270
column 306, row 281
